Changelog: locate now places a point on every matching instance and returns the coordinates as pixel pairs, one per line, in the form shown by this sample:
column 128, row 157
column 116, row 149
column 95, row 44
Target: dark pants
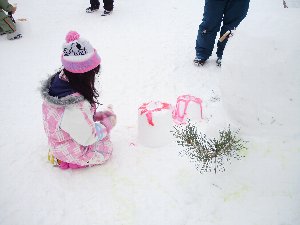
column 230, row 12
column 108, row 4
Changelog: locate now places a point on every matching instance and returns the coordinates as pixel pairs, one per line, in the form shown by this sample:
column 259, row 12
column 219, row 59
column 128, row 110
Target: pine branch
column 209, row 154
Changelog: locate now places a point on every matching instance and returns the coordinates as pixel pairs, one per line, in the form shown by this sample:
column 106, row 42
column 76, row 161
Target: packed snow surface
column 147, row 48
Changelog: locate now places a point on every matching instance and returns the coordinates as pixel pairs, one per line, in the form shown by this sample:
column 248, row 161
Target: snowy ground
column 292, row 3
column 147, row 50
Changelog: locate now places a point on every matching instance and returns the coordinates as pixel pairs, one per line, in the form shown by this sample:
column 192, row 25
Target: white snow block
column 154, row 124
column 187, row 107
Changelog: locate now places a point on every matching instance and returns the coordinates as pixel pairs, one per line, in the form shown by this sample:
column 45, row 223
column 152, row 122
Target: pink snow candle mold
column 187, row 107
column 155, row 123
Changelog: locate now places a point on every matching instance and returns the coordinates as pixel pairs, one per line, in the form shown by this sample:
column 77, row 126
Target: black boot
column 199, row 61
column 106, row 12
column 219, row 61
column 92, row 9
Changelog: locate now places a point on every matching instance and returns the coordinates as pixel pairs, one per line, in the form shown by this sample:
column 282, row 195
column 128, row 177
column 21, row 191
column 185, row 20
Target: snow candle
column 187, row 106
column 155, row 123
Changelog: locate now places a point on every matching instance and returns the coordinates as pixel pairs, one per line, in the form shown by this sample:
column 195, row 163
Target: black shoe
column 91, row 9
column 198, row 61
column 219, row 61
column 106, row 13
column 14, row 37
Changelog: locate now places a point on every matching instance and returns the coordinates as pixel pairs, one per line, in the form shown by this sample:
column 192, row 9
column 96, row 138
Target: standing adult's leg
column 95, row 4
column 108, row 5
column 235, row 12
column 7, row 25
column 208, row 29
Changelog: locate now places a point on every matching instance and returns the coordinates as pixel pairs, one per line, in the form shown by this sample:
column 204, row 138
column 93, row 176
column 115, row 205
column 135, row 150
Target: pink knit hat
column 79, row 56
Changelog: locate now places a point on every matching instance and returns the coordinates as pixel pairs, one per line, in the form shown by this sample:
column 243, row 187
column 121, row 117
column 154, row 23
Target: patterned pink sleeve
column 107, row 123
column 98, row 116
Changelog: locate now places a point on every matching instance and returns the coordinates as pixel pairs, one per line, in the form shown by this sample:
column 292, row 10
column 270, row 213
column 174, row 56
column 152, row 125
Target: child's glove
column 107, row 118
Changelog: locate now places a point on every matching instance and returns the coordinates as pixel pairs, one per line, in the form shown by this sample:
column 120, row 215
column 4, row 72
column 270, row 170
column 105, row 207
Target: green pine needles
column 209, row 154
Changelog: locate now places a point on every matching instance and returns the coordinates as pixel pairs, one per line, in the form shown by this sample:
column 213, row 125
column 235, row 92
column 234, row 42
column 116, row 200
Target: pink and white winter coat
column 73, row 135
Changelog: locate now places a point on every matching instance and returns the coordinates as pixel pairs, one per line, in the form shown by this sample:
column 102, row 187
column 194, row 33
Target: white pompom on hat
column 78, row 55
